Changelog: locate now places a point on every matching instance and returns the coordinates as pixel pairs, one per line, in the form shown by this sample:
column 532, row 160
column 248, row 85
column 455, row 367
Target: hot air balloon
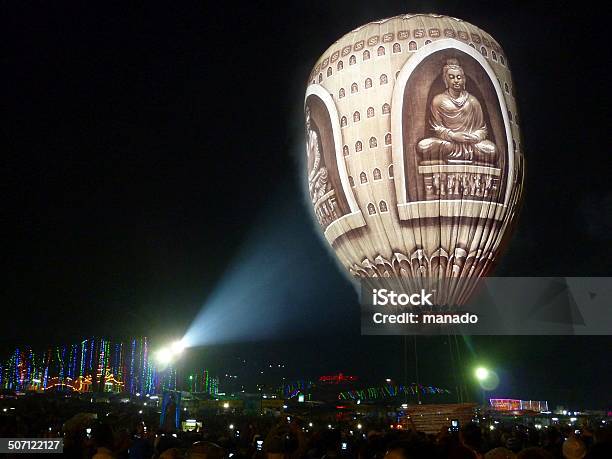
column 413, row 152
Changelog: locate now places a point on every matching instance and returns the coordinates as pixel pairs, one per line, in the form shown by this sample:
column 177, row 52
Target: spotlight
column 177, row 347
column 163, row 356
column 166, row 355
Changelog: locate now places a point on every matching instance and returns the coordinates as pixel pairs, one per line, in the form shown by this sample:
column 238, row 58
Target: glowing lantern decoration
column 414, row 158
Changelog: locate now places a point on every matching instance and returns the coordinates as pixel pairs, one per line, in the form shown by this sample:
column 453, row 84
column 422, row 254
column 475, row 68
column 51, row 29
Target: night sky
column 149, row 151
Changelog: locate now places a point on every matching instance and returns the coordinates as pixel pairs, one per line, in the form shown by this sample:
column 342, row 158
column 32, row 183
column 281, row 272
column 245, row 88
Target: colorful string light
column 87, row 364
column 374, row 393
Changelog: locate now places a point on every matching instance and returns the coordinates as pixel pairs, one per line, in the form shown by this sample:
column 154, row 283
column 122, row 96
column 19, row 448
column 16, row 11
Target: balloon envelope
column 413, row 151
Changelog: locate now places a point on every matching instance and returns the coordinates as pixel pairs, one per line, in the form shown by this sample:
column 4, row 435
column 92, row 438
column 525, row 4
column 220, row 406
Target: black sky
column 142, row 143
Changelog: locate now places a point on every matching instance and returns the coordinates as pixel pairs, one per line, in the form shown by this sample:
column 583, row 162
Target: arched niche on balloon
column 330, row 192
column 440, row 186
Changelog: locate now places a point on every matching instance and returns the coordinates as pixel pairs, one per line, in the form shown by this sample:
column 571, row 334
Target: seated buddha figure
column 457, row 124
column 318, row 180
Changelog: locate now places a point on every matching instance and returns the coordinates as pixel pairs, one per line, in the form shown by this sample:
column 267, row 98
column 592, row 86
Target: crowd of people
column 260, row 440
column 291, row 440
column 124, row 432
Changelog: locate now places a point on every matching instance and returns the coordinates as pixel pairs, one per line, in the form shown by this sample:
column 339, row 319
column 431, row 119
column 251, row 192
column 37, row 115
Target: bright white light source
column 491, row 427
column 177, row 347
column 310, row 424
column 231, row 426
column 482, row 373
column 226, row 405
column 359, row 426
column 163, row 356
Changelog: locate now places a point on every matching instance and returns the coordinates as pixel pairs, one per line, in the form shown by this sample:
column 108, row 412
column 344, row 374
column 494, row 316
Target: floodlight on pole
column 481, row 373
